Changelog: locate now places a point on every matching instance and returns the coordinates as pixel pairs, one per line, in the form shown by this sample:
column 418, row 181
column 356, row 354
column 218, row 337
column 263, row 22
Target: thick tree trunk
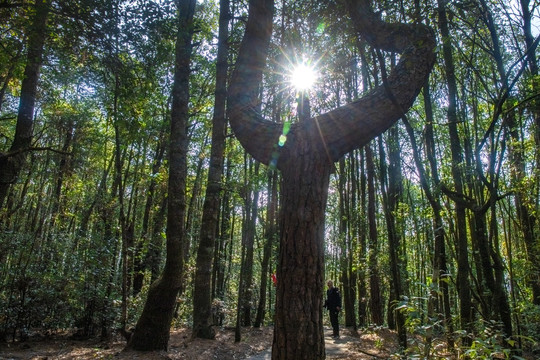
column 153, row 326
column 307, row 156
column 298, row 329
column 12, row 162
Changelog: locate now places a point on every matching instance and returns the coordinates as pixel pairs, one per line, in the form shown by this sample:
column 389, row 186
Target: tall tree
column 12, row 162
column 202, row 301
column 362, row 246
column 375, row 300
column 439, row 295
column 307, row 158
column 463, row 286
column 392, row 189
column 153, row 326
column 346, row 224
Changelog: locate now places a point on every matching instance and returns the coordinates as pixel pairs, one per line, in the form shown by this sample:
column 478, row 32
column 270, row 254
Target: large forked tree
column 307, row 157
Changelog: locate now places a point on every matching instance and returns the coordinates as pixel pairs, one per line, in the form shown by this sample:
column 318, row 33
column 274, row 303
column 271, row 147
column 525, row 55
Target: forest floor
column 255, row 344
column 379, row 343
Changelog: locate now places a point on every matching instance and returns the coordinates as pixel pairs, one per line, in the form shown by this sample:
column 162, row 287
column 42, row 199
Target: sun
column 303, row 77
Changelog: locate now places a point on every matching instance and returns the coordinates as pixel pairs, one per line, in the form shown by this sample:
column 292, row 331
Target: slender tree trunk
column 524, row 204
column 350, row 315
column 248, row 241
column 202, row 301
column 141, row 260
column 393, row 196
column 153, row 256
column 439, row 295
column 502, row 304
column 375, row 301
column 224, row 242
column 119, row 186
column 464, row 289
column 346, row 224
column 64, row 168
column 96, row 201
column 270, row 236
column 193, row 205
column 153, row 326
column 362, row 272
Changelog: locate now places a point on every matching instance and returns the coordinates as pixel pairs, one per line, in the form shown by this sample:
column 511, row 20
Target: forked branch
column 345, row 128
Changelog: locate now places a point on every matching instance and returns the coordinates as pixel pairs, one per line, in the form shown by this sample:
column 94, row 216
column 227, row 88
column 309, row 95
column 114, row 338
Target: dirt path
column 342, row 348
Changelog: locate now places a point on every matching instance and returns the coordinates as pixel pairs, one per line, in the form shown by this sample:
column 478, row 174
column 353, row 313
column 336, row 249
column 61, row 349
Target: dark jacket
column 333, row 299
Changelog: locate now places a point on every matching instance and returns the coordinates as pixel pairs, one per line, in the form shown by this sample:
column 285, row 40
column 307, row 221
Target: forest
column 164, row 166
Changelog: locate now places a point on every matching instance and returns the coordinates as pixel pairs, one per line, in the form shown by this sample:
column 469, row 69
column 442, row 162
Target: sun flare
column 303, row 77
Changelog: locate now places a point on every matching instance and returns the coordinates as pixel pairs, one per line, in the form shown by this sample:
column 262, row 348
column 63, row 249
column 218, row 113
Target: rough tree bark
column 307, row 158
column 153, row 326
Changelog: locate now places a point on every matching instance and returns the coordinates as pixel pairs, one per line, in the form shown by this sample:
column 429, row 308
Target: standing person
column 333, row 304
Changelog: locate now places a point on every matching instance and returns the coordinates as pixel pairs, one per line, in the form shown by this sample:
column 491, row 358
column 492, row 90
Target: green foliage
column 35, row 294
column 426, row 334
column 530, row 327
column 491, row 343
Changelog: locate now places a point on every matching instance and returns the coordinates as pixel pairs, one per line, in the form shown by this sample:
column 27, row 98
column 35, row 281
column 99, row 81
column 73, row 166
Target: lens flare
column 303, row 77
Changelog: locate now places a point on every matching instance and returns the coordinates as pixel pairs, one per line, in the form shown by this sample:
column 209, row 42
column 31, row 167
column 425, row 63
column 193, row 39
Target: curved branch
column 355, row 124
column 343, row 129
column 256, row 134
